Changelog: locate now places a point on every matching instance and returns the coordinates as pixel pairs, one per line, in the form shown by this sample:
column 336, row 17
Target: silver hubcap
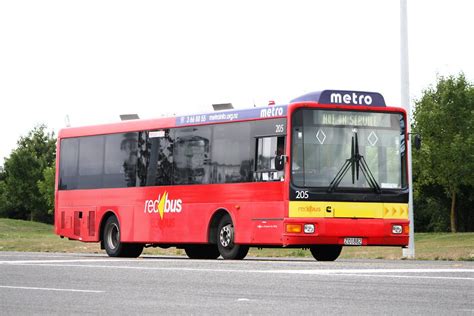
column 113, row 237
column 226, row 236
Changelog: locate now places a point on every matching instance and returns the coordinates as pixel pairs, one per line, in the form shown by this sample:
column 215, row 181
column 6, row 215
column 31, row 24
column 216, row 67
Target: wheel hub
column 226, row 236
column 113, row 237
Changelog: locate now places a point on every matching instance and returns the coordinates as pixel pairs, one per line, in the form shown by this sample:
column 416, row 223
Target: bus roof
column 334, row 97
column 193, row 119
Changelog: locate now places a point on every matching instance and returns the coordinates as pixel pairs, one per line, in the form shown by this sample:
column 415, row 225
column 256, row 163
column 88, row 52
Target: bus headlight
column 308, row 228
column 397, row 229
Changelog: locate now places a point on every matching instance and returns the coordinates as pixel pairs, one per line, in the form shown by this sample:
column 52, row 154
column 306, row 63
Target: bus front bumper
column 344, row 231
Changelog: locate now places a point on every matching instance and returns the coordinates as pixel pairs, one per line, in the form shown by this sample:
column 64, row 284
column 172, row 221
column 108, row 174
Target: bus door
column 269, row 212
column 270, row 158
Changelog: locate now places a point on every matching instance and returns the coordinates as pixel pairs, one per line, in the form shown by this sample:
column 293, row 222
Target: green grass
column 17, row 235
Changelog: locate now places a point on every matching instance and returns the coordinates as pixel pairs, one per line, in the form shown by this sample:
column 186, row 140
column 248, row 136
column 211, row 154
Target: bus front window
column 325, row 142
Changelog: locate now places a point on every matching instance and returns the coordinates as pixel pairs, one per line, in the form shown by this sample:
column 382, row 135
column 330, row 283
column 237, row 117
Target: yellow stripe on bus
column 310, row 209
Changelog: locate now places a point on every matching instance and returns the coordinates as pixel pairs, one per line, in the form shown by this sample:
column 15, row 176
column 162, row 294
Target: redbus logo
column 163, row 205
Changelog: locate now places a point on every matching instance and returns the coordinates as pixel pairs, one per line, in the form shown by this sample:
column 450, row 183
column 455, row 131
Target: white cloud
column 93, row 60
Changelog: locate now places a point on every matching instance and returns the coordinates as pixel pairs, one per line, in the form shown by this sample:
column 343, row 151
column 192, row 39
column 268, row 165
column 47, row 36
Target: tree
column 3, row 200
column 23, row 169
column 46, row 187
column 445, row 119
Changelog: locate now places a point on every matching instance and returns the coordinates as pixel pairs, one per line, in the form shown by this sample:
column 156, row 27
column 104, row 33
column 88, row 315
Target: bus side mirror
column 280, row 162
column 417, row 141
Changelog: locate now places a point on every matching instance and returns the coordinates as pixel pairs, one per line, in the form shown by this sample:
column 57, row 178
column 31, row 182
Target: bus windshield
column 330, row 145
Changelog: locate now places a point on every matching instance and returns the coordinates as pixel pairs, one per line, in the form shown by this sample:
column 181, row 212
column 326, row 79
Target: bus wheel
column 209, row 251
column 225, row 241
column 325, row 252
column 112, row 244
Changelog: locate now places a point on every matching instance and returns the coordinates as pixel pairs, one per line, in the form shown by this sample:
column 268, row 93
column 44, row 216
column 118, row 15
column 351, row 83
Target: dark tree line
column 443, row 169
column 27, row 178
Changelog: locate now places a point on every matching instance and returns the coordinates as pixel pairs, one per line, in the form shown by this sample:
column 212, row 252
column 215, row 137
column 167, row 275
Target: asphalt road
column 42, row 283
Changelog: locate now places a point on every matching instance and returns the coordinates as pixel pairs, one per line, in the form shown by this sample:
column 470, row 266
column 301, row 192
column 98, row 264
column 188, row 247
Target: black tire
column 208, row 251
column 132, row 250
column 112, row 244
column 225, row 241
column 325, row 252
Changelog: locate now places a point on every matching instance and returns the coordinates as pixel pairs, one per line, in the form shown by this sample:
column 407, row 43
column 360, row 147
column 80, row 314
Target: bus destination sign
column 350, row 118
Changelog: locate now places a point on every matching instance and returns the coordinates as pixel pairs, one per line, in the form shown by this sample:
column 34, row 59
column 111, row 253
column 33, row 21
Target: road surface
column 47, row 283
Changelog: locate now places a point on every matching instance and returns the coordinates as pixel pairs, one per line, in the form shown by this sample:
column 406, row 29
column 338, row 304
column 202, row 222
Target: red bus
column 327, row 170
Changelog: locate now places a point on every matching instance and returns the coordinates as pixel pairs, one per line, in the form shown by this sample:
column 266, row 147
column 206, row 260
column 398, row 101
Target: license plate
column 353, row 241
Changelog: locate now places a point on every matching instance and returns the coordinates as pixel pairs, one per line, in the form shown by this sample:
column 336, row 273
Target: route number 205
column 302, row 194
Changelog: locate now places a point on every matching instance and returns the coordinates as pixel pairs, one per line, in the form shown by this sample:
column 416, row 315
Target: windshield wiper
column 356, row 162
column 349, row 163
column 362, row 164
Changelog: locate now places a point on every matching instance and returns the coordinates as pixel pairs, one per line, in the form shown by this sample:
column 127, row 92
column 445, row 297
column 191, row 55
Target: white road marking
column 403, row 276
column 48, row 289
column 350, row 271
column 395, row 273
column 64, row 261
column 37, row 254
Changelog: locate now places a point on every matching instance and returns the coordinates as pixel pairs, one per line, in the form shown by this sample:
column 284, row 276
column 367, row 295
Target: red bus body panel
column 259, row 210
column 249, row 204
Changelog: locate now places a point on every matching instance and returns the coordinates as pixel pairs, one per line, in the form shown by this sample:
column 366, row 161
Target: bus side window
column 120, row 160
column 68, row 163
column 91, row 162
column 269, row 160
column 191, row 163
column 230, row 153
column 160, row 164
column 143, row 159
